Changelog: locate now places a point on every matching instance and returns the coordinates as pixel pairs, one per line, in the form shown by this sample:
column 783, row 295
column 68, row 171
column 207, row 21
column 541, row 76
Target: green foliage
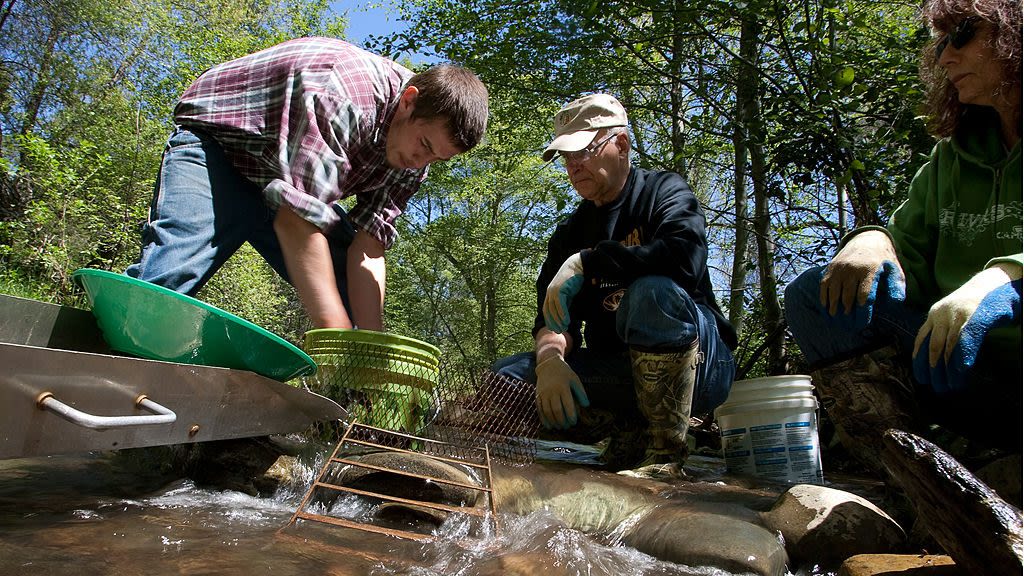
column 86, row 93
column 830, row 127
column 66, row 223
column 462, row 275
column 834, row 82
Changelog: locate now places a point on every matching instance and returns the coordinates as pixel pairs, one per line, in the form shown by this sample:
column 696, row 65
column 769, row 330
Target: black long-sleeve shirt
column 655, row 228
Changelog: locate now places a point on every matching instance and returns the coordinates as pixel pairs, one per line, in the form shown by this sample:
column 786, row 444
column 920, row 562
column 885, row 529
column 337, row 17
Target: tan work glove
column 957, row 325
column 557, row 383
column 864, row 270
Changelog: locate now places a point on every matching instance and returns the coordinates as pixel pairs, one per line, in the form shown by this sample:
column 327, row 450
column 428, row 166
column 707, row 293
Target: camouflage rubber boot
column 627, row 445
column 664, row 383
column 865, row 396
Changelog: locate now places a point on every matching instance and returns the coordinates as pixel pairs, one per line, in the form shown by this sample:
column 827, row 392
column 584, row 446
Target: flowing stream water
column 96, row 514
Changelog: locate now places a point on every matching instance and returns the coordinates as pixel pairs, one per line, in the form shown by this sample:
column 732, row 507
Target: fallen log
column 977, row 528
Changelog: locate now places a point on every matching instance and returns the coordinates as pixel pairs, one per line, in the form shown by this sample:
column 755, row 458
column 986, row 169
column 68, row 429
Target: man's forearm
column 307, row 256
column 366, row 269
column 548, row 343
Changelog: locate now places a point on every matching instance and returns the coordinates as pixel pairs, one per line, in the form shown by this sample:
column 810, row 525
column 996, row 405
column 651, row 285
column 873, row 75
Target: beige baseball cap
column 578, row 122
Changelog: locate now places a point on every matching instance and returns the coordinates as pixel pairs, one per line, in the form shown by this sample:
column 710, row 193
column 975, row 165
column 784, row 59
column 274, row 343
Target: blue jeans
column 654, row 313
column 203, row 210
column 823, row 341
column 994, row 387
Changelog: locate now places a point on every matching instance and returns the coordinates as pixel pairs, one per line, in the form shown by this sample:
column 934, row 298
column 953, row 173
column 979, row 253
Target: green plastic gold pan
column 150, row 321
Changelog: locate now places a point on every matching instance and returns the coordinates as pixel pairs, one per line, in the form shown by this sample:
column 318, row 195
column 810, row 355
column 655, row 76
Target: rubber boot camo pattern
column 627, row 445
column 664, row 383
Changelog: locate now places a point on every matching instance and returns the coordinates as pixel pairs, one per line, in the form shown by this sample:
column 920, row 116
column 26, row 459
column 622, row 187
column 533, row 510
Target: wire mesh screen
column 488, row 408
column 403, row 495
column 411, row 391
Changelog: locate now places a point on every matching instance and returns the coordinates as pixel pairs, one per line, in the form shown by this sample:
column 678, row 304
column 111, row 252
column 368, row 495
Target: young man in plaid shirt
column 266, row 145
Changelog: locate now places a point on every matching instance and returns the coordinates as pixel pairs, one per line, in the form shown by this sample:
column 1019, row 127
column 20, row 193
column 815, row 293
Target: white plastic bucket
column 770, row 429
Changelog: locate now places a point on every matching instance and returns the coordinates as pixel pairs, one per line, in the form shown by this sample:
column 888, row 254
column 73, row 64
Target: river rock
column 400, row 512
column 644, row 515
column 896, row 564
column 977, row 528
column 677, row 534
column 597, row 507
column 520, row 564
column 827, row 526
column 282, row 471
column 409, row 487
column 236, row 464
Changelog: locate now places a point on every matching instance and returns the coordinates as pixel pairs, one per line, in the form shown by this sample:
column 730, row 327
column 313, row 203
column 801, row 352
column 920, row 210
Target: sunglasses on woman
column 959, row 37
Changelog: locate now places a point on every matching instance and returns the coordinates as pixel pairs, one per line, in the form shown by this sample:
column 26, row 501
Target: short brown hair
column 457, row 95
column 1004, row 20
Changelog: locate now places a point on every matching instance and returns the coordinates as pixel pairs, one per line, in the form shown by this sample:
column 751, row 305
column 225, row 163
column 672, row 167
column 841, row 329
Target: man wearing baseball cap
column 626, row 274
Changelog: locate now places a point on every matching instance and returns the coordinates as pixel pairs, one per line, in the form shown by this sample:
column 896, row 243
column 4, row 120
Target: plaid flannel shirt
column 307, row 120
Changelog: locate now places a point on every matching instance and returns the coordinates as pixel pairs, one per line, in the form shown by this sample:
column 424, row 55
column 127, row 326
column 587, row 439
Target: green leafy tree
column 86, row 93
column 463, row 273
column 809, row 106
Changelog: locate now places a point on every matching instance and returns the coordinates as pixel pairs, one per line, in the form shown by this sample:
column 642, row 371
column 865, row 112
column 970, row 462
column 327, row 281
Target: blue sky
column 368, row 17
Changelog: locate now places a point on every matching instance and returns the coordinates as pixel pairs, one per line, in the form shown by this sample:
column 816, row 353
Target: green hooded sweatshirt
column 963, row 213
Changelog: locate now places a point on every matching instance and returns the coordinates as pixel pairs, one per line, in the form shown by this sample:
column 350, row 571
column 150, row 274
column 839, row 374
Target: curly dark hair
column 1004, row 18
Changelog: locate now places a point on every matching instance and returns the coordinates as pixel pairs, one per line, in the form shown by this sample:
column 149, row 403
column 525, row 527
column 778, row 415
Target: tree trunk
column 675, row 94
column 42, row 84
column 746, row 95
column 766, row 261
column 738, row 280
column 841, row 208
column 492, row 285
column 5, row 12
column 749, row 36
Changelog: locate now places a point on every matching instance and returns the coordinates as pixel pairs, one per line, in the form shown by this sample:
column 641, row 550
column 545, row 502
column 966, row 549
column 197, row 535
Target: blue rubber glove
column 557, row 383
column 561, row 290
column 865, row 272
column 947, row 345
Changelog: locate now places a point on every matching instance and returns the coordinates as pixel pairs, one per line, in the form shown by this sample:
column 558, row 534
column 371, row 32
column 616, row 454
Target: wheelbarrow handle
column 160, row 414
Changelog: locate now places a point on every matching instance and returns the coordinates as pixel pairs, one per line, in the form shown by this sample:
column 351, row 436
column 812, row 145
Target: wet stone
column 695, row 531
column 827, row 526
column 899, row 565
column 683, row 536
column 408, row 487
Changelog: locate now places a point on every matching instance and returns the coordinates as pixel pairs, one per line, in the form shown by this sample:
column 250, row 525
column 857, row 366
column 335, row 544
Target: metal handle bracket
column 160, row 414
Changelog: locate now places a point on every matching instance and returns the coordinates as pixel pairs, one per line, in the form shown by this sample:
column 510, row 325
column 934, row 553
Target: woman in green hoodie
column 937, row 292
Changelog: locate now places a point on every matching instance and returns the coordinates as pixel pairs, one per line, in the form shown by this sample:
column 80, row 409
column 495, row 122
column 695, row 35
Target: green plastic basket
column 392, row 343
column 383, row 357
column 383, row 380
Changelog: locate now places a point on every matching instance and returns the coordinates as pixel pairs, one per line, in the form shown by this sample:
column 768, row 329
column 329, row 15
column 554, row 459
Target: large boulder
column 693, row 530
column 681, row 535
column 827, row 526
